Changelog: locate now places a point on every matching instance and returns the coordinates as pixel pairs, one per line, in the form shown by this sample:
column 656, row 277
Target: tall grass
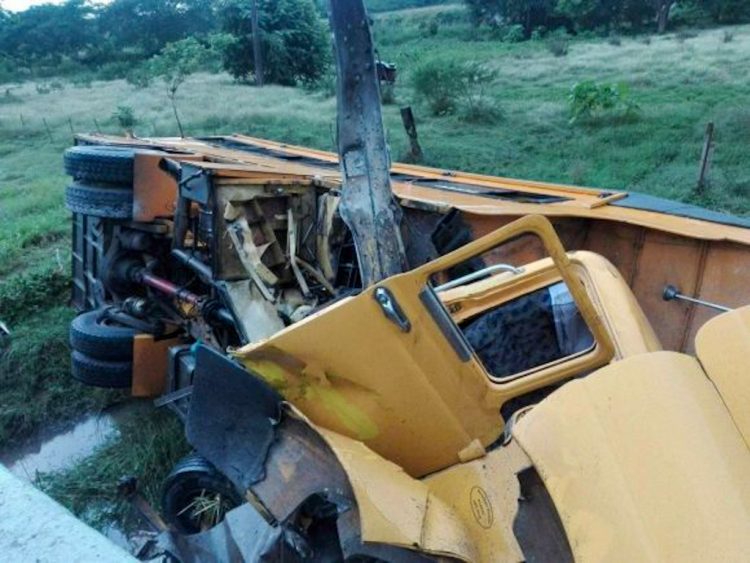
column 146, row 448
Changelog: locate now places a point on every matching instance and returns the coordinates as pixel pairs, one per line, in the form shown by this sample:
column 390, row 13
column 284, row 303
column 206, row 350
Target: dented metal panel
column 643, row 463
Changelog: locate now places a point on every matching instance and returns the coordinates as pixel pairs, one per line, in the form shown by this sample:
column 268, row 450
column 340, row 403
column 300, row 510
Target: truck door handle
column 391, row 309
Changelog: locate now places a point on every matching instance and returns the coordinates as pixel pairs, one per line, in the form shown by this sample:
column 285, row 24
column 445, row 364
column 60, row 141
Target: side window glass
column 512, row 310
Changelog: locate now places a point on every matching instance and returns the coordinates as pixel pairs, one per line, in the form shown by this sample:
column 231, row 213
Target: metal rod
column 194, row 263
column 671, row 292
column 484, row 272
column 166, row 286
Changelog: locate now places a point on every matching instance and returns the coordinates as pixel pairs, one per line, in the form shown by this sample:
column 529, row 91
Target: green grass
column 147, row 447
column 680, row 84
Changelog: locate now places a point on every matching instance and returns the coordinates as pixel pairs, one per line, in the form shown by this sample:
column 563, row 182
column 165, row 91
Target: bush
column 139, row 77
column 125, row 117
column 433, row 27
column 727, row 37
column 514, row 34
column 558, row 46
column 448, row 85
column 590, row 100
column 436, row 82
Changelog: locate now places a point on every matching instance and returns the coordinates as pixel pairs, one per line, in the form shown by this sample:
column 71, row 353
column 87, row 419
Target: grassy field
column 680, row 81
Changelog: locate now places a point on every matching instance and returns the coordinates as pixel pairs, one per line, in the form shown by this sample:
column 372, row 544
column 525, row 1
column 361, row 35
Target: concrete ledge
column 36, row 528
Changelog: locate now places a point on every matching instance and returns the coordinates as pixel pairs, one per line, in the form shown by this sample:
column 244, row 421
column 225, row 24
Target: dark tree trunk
column 257, row 53
column 367, row 204
column 662, row 15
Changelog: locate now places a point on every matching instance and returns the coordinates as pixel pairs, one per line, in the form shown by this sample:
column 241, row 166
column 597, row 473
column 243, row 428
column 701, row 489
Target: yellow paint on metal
column 723, row 348
column 401, row 389
column 644, row 463
column 302, row 383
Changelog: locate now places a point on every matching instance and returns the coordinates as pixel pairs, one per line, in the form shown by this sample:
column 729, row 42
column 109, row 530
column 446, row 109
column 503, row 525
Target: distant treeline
column 76, row 35
column 113, row 39
column 606, row 15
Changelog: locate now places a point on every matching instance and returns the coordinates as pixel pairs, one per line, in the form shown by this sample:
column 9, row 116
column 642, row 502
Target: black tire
column 96, row 163
column 95, row 335
column 101, row 373
column 99, row 200
column 190, row 478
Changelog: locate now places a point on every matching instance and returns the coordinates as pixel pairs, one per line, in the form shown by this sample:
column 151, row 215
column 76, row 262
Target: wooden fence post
column 46, row 126
column 407, row 118
column 706, row 153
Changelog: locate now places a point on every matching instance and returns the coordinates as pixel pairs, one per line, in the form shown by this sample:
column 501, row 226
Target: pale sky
column 20, row 5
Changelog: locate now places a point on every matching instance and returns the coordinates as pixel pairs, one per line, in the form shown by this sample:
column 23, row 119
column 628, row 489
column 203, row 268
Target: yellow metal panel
column 644, row 463
column 408, row 395
column 465, row 512
column 723, row 347
column 583, row 202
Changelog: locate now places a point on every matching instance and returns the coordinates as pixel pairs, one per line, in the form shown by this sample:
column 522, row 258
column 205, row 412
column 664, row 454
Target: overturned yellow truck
column 505, row 399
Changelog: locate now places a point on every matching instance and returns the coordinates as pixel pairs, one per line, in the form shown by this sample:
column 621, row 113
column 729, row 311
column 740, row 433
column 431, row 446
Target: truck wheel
column 196, row 496
column 101, row 373
column 94, row 334
column 99, row 200
column 96, row 163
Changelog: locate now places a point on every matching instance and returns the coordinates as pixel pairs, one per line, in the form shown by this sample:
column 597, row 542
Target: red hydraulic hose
column 166, row 286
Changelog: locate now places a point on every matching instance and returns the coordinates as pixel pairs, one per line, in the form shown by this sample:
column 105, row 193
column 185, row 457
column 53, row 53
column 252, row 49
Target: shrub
column 558, row 46
column 538, row 33
column 448, row 85
column 728, row 36
column 436, row 81
column 589, row 100
column 139, row 77
column 433, row 27
column 614, row 40
column 514, row 34
column 125, row 117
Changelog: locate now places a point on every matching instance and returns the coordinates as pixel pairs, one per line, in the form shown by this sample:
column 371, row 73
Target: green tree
column 294, row 42
column 176, row 62
column 528, row 13
column 148, row 25
column 48, row 32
